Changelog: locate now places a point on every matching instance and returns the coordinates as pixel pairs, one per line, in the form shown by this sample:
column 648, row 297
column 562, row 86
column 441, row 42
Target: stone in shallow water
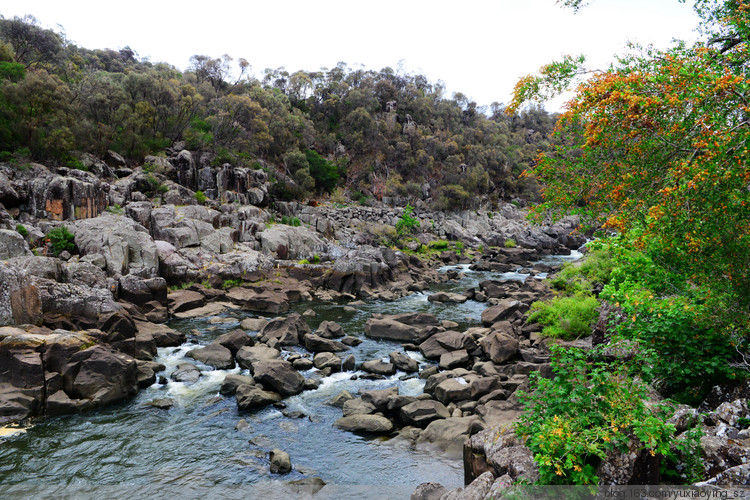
column 162, row 403
column 280, row 462
column 368, row 424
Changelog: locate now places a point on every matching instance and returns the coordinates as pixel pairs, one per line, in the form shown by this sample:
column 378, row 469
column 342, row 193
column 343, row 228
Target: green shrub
column 21, row 229
column 61, row 239
column 200, row 197
column 594, row 268
column 407, row 223
column 303, row 261
column 452, row 197
column 438, row 245
column 510, row 243
column 589, row 408
column 70, row 161
column 154, row 186
column 565, row 318
column 227, row 284
column 115, row 209
column 291, row 221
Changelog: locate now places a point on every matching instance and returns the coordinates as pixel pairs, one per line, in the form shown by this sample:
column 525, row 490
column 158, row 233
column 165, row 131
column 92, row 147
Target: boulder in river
column 366, row 424
column 215, row 355
column 248, row 356
column 279, row 375
column 280, row 462
column 421, row 413
column 251, row 397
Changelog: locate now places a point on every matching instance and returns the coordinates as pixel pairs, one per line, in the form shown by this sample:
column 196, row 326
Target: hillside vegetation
column 375, row 133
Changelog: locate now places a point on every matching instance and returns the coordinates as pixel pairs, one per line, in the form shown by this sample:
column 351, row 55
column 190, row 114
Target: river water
column 193, row 447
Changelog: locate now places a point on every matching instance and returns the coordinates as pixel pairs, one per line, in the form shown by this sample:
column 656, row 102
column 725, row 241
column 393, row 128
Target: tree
column 658, row 144
column 31, row 43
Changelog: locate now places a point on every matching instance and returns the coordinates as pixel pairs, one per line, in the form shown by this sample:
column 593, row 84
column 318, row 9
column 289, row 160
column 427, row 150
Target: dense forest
column 374, row 133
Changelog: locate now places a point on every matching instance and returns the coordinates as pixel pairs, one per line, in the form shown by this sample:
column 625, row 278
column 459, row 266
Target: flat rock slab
column 211, row 309
column 366, row 424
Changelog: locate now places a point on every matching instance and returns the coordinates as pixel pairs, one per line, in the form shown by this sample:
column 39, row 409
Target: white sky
column 480, row 48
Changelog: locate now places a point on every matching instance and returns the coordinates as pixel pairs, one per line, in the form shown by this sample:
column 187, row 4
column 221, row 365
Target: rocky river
column 194, row 437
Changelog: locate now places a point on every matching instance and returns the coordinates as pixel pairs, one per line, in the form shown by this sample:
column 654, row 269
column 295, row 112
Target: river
column 193, row 447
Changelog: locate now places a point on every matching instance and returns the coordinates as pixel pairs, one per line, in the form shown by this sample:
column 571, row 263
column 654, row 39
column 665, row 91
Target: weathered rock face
column 19, row 297
column 12, row 244
column 126, row 246
column 499, row 346
column 76, row 195
column 286, row 330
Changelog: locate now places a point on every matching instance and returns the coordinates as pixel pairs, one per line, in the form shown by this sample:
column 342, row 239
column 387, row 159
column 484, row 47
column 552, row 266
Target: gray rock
column 253, row 324
column 504, row 309
column 499, row 346
column 279, row 375
column 454, row 359
column 250, row 397
column 324, row 360
column 367, row 424
column 339, row 399
column 12, row 244
column 126, row 246
column 280, row 462
column 421, row 413
column 233, row 381
column 215, row 355
column 403, row 362
column 330, row 330
column 429, row 491
column 248, row 356
column 357, row 406
column 378, row 367
column 187, row 373
column 315, row 343
column 452, row 390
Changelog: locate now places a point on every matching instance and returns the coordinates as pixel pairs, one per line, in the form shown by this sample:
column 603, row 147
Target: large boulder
column 279, row 375
column 363, row 267
column 315, row 343
column 448, row 434
column 251, row 397
column 215, row 355
column 501, row 311
column 286, row 330
column 22, row 384
column 100, row 375
column 126, row 246
column 499, row 346
column 249, row 356
column 289, row 242
column 421, row 413
column 413, row 328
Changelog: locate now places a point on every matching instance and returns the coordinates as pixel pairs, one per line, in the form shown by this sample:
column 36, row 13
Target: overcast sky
column 479, row 48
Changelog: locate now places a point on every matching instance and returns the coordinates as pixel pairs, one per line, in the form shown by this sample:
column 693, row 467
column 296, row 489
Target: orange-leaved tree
column 659, row 143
